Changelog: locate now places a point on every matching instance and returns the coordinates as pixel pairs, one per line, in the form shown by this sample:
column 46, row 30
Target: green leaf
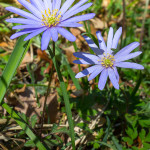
column 33, row 120
column 142, row 134
column 14, row 60
column 115, row 141
column 128, row 140
column 146, row 145
column 29, row 144
column 144, row 123
column 147, row 138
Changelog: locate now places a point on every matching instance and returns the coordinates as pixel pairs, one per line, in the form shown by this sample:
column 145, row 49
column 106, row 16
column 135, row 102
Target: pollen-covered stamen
column 51, row 19
column 107, row 60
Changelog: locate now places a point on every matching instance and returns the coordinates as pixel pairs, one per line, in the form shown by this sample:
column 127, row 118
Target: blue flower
column 50, row 18
column 105, row 62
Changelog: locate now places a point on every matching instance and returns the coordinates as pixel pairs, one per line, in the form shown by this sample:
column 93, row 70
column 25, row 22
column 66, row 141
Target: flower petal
column 81, row 17
column 80, row 61
column 27, row 26
column 116, row 38
column 109, row 40
column 69, row 24
column 92, row 59
column 113, row 78
column 127, row 57
column 101, row 41
column 66, row 34
column 48, row 4
column 45, row 39
column 34, row 33
column 116, row 73
column 38, row 4
column 103, row 79
column 76, row 6
column 23, row 21
column 86, row 71
column 22, row 13
column 127, row 49
column 56, row 4
column 93, row 46
column 65, row 6
column 31, row 8
column 129, row 65
column 25, row 31
column 95, row 73
column 82, row 8
column 54, row 34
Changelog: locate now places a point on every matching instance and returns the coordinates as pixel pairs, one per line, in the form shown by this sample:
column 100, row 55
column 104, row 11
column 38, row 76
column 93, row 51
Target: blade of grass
column 14, row 60
column 65, row 95
column 5, row 16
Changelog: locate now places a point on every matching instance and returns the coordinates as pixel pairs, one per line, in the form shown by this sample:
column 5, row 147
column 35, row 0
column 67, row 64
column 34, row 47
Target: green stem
column 47, row 93
column 65, row 95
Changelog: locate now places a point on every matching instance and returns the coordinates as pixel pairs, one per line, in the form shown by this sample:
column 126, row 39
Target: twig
column 143, row 23
column 36, row 126
column 123, row 23
column 48, row 91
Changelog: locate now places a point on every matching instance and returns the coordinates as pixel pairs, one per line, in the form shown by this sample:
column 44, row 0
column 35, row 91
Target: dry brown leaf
column 99, row 24
column 29, row 105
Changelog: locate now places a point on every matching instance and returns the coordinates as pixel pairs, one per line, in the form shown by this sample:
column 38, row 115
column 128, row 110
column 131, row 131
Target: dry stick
column 143, row 23
column 48, row 91
column 124, row 20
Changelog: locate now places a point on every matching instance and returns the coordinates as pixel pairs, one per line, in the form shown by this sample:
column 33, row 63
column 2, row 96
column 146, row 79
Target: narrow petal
column 45, row 39
column 76, row 6
column 101, row 41
column 66, row 6
column 80, row 9
column 116, row 38
column 66, row 34
column 113, row 78
column 116, row 73
column 93, row 46
column 69, row 24
column 127, row 49
column 81, row 17
column 103, row 79
column 87, row 71
column 92, row 59
column 38, row 4
column 48, row 4
column 127, row 57
column 109, row 40
column 57, row 4
column 80, row 61
column 31, row 8
column 95, row 73
column 22, row 13
column 129, row 65
column 34, row 33
column 25, row 31
column 23, row 21
column 54, row 34
column 26, row 26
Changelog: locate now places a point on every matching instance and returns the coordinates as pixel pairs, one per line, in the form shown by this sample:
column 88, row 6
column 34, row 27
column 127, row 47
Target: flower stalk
column 65, row 95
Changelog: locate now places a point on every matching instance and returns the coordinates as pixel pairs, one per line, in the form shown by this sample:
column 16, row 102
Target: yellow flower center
column 51, row 19
column 107, row 60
